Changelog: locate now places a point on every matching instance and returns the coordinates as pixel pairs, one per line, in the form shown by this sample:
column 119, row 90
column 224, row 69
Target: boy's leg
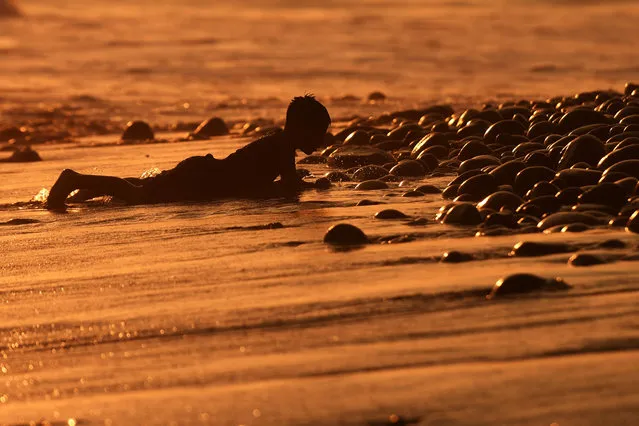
column 87, row 194
column 106, row 185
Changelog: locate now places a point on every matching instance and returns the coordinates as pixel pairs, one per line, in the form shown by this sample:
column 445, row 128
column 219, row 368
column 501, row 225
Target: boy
column 249, row 171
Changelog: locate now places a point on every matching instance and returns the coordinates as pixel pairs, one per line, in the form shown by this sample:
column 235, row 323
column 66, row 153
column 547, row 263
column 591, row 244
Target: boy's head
column 306, row 122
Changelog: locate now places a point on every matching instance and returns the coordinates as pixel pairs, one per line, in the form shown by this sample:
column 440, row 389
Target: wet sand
column 235, row 311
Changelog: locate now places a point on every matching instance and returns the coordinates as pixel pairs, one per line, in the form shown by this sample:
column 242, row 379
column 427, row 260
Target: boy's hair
column 308, row 112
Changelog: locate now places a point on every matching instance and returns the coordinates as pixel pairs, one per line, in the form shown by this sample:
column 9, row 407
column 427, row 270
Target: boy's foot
column 61, row 190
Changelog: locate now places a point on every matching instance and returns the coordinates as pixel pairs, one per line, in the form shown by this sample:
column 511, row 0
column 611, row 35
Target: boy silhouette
column 249, row 171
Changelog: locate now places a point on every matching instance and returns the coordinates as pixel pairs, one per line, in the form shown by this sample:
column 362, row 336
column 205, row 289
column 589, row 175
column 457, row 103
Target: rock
column 358, row 137
column 499, row 200
column 462, row 214
column 336, row 176
column 450, row 192
column 579, row 118
column 585, row 259
column 508, row 127
column 472, row 149
column 9, row 10
column 586, row 148
column 346, row 157
column 368, row 203
column 478, row 186
column 535, row 249
column 566, row 218
column 477, row 163
column 412, row 193
column 322, row 183
column 541, row 189
column 428, row 189
column 137, row 131
column 576, row 227
column 506, row 173
column 429, row 161
column 528, row 177
column 376, row 97
column 628, row 167
column 525, row 283
column 408, row 168
column 22, row 155
column 214, row 126
column 369, row 173
column 390, row 214
column 633, row 223
column 345, row 234
column 371, row 185
column 430, row 140
column 577, row 177
column 501, row 219
column 608, row 194
column 456, row 257
column 629, row 152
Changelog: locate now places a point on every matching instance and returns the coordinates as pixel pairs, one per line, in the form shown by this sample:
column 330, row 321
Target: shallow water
column 208, row 313
column 197, row 313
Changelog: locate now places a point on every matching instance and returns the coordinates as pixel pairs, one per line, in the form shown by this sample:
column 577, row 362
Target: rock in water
column 533, row 249
column 585, row 259
column 345, row 234
column 390, row 214
column 456, row 257
column 525, row 283
column 633, row 223
column 137, row 131
column 23, row 155
column 214, row 126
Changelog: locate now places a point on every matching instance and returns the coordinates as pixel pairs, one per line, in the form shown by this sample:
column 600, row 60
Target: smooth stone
column 528, row 177
column 628, row 184
column 408, row 168
column 358, row 137
column 390, row 214
column 579, row 118
column 499, row 200
column 633, row 223
column 541, row 128
column 478, row 187
column 371, row 185
column 507, row 172
column 336, row 176
column 501, row 219
column 437, row 151
column 576, row 227
column 428, row 189
column 345, row 234
column 546, row 204
column 508, row 127
column 462, row 214
column 534, row 249
column 608, row 194
column 369, row 173
column 412, row 193
column 541, row 189
column 586, row 148
column 450, row 192
column 629, row 167
column 473, row 149
column 525, row 283
column 214, row 126
column 478, row 163
column 585, row 259
column 322, row 183
column 611, row 244
column 429, row 161
column 390, row 178
column 456, row 257
column 577, row 177
column 464, row 176
column 566, row 218
column 137, row 131
column 368, row 203
column 346, row 157
column 429, row 141
column 630, row 152
column 23, row 155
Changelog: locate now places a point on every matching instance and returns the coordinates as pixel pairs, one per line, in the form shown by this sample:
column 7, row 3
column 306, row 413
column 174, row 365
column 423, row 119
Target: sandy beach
column 236, row 312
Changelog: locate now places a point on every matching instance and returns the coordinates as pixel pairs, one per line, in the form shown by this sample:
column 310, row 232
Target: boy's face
column 310, row 140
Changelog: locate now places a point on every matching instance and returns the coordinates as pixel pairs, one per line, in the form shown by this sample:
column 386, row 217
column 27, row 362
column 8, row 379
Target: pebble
column 214, row 126
column 525, row 283
column 371, row 185
column 137, row 131
column 535, row 249
column 585, row 259
column 456, row 257
column 390, row 214
column 345, row 234
column 462, row 214
column 369, row 173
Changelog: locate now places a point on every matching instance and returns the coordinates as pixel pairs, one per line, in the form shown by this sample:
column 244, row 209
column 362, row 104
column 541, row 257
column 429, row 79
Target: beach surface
column 235, row 312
